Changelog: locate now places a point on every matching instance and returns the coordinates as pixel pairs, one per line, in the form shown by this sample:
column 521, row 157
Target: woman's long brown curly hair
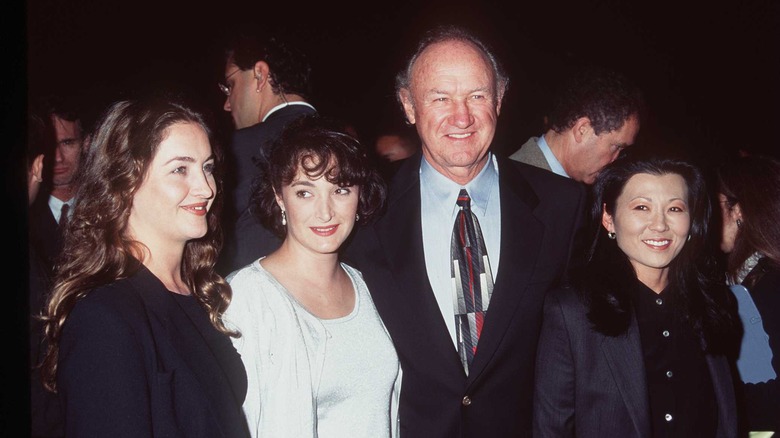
column 97, row 250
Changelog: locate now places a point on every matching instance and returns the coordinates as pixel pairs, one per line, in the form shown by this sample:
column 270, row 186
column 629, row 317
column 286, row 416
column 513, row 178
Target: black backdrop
column 710, row 74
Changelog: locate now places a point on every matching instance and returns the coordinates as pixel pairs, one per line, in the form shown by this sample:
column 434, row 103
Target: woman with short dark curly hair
column 319, row 360
column 137, row 346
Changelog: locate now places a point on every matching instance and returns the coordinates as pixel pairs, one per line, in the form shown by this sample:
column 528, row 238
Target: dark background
column 709, row 73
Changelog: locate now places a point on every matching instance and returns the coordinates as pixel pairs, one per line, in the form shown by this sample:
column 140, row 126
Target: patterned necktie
column 472, row 279
column 64, row 216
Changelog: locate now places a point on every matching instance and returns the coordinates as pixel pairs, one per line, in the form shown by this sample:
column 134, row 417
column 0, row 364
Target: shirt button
column 668, row 417
column 665, row 333
column 659, row 301
column 669, row 374
column 466, row 401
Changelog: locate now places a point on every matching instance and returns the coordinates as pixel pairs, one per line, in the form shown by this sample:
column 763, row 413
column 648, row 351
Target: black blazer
column 539, row 216
column 45, row 234
column 246, row 239
column 592, row 385
column 134, row 363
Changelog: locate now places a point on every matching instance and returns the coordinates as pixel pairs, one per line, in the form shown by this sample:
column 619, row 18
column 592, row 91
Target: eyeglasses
column 227, row 88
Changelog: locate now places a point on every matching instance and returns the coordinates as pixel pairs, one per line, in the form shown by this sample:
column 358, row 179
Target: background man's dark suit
column 614, row 396
column 247, row 239
column 539, row 214
column 45, row 234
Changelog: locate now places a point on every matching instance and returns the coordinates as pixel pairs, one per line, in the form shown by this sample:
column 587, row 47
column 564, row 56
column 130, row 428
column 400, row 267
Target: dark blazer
column 592, row 385
column 246, row 239
column 135, row 362
column 539, row 215
column 45, row 234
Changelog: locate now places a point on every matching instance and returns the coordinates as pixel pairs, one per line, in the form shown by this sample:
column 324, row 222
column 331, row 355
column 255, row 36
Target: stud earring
column 357, row 217
column 284, row 217
column 611, row 235
column 739, row 223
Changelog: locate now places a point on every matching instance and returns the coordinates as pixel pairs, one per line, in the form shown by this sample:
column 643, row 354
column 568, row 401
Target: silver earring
column 689, row 238
column 739, row 223
column 284, row 217
column 357, row 217
column 611, row 235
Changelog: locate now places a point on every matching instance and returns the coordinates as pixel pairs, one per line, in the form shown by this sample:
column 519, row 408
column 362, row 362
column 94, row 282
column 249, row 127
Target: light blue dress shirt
column 438, row 195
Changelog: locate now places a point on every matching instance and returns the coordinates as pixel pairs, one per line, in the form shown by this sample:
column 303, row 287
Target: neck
column 165, row 263
column 64, row 192
column 277, row 99
column 461, row 175
column 656, row 281
column 306, row 264
column 558, row 144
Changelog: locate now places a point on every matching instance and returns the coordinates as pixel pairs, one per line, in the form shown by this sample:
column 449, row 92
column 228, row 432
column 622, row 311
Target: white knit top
column 309, row 377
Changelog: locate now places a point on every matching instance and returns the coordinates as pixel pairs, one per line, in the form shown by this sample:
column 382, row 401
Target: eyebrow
column 301, row 182
column 187, row 159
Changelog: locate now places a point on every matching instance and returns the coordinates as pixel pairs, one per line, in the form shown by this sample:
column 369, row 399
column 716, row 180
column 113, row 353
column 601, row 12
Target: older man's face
column 454, row 103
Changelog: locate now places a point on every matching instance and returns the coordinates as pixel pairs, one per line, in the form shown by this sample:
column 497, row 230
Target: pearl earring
column 284, row 217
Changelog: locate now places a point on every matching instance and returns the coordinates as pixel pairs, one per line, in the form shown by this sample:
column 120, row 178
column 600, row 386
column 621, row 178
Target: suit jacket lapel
column 521, row 239
column 626, row 362
column 400, row 235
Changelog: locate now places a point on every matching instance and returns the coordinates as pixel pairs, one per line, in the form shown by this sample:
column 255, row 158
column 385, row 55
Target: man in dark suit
column 451, row 91
column 595, row 115
column 266, row 86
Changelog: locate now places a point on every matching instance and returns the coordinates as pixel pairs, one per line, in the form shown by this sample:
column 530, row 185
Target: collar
column 285, row 104
column 555, row 165
column 445, row 191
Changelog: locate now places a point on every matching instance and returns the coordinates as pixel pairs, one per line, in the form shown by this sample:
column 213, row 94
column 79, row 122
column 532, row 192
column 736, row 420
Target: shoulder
column 542, row 180
column 110, row 312
column 528, row 148
column 246, row 276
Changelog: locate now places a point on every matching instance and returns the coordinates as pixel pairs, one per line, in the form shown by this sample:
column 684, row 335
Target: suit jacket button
column 466, row 401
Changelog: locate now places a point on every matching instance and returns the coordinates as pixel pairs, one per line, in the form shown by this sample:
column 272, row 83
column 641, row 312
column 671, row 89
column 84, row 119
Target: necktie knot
column 464, row 201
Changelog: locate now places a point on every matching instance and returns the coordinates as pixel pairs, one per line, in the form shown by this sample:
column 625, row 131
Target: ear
column 606, row 219
column 581, row 129
column 279, row 200
column 736, row 212
column 36, row 169
column 405, row 96
column 499, row 99
column 260, row 72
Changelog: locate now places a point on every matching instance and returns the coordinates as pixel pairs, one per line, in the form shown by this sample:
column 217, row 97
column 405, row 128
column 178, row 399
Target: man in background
column 594, row 117
column 266, row 85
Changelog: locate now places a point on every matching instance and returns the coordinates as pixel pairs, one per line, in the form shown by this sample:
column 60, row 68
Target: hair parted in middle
column 702, row 298
column 318, row 147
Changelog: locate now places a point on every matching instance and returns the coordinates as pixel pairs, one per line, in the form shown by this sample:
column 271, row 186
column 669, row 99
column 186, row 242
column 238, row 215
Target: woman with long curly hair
column 637, row 345
column 136, row 343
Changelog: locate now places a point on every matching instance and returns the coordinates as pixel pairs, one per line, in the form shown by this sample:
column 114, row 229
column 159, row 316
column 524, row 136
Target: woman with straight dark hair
column 636, row 346
column 137, row 347
column 319, row 360
column 749, row 196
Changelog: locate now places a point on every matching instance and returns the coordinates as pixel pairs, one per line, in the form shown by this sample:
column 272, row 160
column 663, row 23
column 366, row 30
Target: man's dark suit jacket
column 539, row 215
column 134, row 362
column 592, row 385
column 247, row 240
column 44, row 231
